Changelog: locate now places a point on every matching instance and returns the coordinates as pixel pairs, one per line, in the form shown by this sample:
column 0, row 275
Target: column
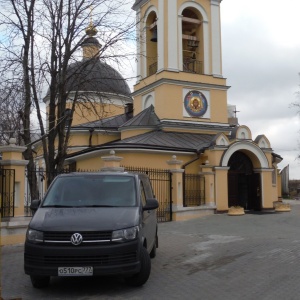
column 177, row 184
column 221, row 188
column 12, row 159
column 209, row 175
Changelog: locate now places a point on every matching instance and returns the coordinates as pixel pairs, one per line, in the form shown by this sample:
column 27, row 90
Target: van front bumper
column 110, row 259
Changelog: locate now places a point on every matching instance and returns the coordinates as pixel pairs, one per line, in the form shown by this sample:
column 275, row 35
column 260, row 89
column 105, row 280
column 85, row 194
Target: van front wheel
column 141, row 277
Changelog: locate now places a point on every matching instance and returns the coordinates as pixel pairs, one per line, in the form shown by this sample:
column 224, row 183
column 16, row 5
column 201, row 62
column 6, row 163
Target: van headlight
column 34, row 236
column 123, row 235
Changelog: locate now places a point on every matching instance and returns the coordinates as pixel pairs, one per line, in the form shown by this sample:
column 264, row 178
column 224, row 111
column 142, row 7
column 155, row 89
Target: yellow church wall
column 95, row 111
column 171, row 97
column 268, row 191
column 182, row 76
column 150, row 160
column 92, row 112
column 214, row 156
column 100, row 138
column 221, row 191
column 83, row 138
column 218, row 106
column 269, row 158
column 77, row 139
column 139, row 159
column 11, row 155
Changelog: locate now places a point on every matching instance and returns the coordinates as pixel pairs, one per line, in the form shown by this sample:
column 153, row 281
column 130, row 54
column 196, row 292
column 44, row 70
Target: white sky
column 261, row 61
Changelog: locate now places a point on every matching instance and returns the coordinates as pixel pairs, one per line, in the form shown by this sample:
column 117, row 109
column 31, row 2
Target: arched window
column 151, row 42
column 192, row 41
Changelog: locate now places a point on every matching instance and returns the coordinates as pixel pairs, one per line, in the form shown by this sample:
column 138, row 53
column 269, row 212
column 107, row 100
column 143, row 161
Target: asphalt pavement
column 255, row 256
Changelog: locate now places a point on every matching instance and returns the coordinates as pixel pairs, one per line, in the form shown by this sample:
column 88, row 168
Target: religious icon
column 195, row 103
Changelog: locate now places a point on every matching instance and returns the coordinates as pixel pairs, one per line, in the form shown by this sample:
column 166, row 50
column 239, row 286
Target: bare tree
column 10, row 106
column 41, row 41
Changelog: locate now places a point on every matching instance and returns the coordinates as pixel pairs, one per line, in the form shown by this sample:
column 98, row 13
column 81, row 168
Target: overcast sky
column 261, row 61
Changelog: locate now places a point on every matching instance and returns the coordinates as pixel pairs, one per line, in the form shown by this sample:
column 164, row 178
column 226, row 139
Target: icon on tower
column 195, row 104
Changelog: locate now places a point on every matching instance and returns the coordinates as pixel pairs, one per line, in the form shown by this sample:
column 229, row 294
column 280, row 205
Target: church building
column 177, row 117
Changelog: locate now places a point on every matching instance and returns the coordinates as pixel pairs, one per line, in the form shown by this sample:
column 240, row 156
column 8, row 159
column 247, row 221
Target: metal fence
column 161, row 181
column 193, row 190
column 7, row 192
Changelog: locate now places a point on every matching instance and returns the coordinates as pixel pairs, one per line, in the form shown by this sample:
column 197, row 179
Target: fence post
column 112, row 162
column 209, row 175
column 177, row 185
column 12, row 159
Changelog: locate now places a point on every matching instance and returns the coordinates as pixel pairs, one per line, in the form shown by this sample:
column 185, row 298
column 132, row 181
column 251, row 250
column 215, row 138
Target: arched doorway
column 243, row 184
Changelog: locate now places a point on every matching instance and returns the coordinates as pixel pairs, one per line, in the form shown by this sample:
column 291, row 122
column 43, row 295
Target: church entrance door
column 243, row 184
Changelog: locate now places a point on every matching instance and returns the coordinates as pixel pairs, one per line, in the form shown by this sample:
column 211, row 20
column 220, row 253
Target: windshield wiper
column 58, row 206
column 98, row 205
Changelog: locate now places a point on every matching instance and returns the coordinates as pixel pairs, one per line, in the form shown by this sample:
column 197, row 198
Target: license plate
column 75, row 271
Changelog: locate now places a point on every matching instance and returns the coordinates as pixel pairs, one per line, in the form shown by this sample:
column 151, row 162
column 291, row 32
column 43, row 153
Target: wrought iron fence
column 161, row 181
column 193, row 190
column 7, row 192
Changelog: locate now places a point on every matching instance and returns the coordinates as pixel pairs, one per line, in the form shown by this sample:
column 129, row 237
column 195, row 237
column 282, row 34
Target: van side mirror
column 151, row 203
column 35, row 205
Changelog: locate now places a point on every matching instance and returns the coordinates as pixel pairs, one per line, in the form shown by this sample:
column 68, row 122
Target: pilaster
column 12, row 159
column 209, row 175
column 221, row 181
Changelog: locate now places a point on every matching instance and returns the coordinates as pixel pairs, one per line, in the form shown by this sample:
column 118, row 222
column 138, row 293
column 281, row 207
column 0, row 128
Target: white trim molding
column 250, row 147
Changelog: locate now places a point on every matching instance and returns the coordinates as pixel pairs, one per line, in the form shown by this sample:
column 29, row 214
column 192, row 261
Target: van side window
column 148, row 188
column 143, row 195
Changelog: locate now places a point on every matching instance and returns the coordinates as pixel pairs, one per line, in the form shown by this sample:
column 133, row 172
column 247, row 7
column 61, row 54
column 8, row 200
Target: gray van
column 93, row 224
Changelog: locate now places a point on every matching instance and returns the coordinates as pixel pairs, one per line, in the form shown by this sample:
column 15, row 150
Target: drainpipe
column 191, row 161
column 91, row 130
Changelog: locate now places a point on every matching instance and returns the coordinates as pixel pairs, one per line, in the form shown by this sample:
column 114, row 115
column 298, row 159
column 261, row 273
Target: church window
column 151, row 36
column 192, row 45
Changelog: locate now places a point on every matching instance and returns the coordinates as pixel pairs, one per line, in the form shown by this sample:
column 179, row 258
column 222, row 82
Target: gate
column 161, row 181
column 193, row 190
column 7, row 192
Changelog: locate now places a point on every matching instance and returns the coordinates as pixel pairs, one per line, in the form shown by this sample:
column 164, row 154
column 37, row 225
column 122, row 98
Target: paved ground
column 256, row 256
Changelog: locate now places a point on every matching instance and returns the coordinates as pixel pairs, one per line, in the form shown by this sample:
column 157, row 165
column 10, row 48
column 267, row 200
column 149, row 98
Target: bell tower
column 180, row 61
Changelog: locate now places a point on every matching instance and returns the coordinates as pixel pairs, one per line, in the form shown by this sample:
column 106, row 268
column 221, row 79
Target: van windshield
column 91, row 191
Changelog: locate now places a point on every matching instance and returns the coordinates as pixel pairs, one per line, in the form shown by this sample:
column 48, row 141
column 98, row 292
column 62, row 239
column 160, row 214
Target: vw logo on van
column 76, row 239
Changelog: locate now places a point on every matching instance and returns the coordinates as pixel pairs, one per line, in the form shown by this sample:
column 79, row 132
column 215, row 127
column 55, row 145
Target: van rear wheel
column 40, row 282
column 141, row 277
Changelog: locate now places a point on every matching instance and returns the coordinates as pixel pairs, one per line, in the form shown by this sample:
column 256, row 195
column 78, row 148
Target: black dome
column 92, row 75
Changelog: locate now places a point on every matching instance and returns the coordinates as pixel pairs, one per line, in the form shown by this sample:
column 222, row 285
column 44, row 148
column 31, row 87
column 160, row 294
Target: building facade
column 178, row 113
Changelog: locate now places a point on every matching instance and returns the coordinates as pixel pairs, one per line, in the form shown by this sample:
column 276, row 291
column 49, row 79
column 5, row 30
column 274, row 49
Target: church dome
column 92, row 75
